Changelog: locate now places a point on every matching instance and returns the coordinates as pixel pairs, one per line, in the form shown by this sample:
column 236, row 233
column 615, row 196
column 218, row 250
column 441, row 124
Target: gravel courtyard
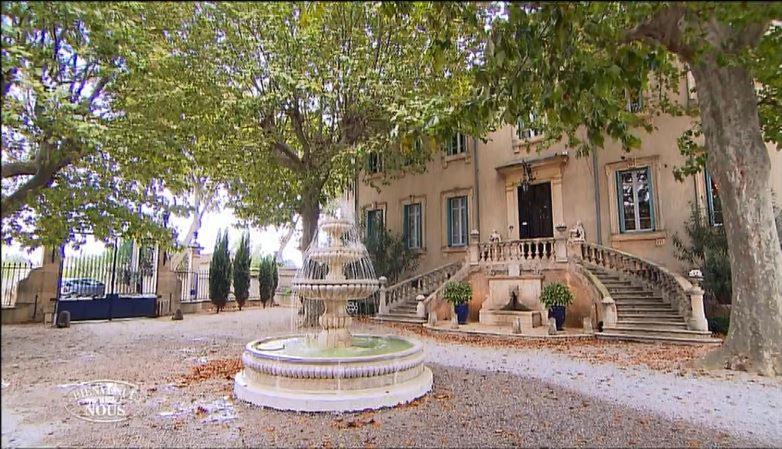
column 487, row 393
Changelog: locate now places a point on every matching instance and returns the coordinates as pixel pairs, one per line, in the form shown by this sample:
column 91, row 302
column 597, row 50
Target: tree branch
column 664, row 28
column 43, row 177
column 13, row 169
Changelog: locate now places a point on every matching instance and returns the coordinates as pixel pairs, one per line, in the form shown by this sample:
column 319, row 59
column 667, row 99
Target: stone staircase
column 404, row 312
column 642, row 315
column 400, row 301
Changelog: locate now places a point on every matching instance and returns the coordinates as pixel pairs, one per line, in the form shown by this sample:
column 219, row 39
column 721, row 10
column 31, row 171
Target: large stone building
column 630, row 202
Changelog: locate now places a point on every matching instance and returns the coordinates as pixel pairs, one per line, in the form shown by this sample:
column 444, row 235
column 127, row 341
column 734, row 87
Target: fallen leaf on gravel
column 214, row 369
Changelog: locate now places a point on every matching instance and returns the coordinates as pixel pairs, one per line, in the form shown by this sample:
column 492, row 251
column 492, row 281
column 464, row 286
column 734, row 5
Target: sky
column 266, row 240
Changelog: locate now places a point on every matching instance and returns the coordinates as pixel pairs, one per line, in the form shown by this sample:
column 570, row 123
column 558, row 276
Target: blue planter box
column 558, row 313
column 462, row 311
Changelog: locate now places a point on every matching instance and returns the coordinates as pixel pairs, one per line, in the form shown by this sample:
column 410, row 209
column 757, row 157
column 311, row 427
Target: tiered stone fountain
column 335, row 371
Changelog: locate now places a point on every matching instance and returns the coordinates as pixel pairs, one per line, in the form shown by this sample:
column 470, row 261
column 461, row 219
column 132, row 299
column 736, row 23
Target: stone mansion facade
column 628, row 201
column 473, row 192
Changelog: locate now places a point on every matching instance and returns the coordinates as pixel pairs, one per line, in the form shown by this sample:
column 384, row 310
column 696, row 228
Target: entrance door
column 535, row 211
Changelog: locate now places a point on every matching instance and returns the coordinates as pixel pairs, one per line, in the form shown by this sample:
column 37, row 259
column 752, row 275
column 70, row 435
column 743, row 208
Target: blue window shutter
column 448, row 214
column 619, row 198
column 406, row 225
column 464, row 220
column 651, row 196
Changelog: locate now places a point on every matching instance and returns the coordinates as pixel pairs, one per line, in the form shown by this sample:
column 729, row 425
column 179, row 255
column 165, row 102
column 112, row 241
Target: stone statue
column 577, row 233
column 495, row 236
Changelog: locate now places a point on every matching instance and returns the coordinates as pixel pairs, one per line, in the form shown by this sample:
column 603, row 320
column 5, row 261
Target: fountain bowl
column 293, row 373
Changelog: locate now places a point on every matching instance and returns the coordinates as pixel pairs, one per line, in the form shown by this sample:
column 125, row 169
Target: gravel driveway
column 483, row 396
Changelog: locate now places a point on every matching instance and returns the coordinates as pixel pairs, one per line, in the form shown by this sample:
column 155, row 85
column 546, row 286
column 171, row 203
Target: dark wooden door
column 535, row 211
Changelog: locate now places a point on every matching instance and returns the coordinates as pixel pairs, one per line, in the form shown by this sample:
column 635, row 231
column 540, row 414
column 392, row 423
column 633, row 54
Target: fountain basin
column 330, row 290
column 293, row 373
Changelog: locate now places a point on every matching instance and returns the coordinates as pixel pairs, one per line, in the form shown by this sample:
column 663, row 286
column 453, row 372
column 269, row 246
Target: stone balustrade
column 414, row 286
column 675, row 289
column 543, row 249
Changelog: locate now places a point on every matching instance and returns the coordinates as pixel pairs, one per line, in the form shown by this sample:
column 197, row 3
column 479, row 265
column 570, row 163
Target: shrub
column 556, row 294
column 241, row 270
column 457, row 292
column 706, row 249
column 220, row 272
column 719, row 324
column 389, row 254
column 266, row 279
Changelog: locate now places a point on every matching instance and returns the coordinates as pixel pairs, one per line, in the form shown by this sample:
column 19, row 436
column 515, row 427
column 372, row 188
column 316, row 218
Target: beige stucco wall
column 445, row 177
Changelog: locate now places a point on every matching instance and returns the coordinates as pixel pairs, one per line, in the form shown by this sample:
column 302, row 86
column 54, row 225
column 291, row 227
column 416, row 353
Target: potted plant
column 557, row 296
column 459, row 294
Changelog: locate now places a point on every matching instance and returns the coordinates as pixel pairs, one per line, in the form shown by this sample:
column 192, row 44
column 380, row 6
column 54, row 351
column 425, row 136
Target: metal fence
column 11, row 274
column 195, row 286
column 122, row 268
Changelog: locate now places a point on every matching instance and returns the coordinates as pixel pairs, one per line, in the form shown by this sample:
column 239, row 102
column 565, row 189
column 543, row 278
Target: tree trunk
column 739, row 161
column 310, row 213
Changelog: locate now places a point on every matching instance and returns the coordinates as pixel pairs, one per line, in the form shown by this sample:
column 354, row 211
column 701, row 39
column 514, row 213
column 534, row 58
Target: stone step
column 626, row 297
column 656, row 331
column 670, row 317
column 629, row 289
column 652, row 324
column 400, row 319
column 609, row 335
column 638, row 301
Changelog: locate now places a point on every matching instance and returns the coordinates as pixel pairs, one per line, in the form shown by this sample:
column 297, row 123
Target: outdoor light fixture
column 527, row 177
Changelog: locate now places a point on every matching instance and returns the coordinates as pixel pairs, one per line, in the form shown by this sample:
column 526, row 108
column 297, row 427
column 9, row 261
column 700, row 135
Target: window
column 457, row 221
column 636, row 205
column 374, row 163
column 713, row 201
column 375, row 222
column 635, row 101
column 456, row 145
column 525, row 128
column 413, row 225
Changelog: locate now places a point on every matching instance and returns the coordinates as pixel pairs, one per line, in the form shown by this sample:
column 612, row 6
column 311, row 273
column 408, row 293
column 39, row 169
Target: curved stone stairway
column 642, row 315
column 404, row 312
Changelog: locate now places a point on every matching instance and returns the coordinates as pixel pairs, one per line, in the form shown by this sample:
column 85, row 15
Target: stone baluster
column 420, row 308
column 383, row 306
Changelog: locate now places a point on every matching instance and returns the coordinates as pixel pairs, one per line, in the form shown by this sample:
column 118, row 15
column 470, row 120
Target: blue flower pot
column 558, row 313
column 462, row 310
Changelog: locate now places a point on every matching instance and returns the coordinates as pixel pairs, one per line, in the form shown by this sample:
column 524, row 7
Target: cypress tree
column 220, row 272
column 266, row 279
column 241, row 271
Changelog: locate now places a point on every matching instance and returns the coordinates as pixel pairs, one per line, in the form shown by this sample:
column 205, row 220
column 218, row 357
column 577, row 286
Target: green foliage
column 220, row 272
column 719, row 324
column 706, row 247
column 241, row 270
column 288, row 99
column 69, row 164
column 267, row 279
column 389, row 254
column 457, row 292
column 556, row 294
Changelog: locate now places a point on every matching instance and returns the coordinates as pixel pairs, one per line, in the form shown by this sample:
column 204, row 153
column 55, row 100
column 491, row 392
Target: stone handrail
column 429, row 303
column 543, row 249
column 606, row 301
column 399, row 292
column 675, row 289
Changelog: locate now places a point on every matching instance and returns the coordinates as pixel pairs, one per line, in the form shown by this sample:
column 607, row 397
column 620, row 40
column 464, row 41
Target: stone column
column 697, row 316
column 169, row 286
column 420, row 308
column 560, row 244
column 383, row 308
column 49, row 287
column 609, row 312
column 475, row 238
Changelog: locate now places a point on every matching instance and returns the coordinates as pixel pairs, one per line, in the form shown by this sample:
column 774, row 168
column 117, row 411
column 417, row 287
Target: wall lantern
column 527, row 177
